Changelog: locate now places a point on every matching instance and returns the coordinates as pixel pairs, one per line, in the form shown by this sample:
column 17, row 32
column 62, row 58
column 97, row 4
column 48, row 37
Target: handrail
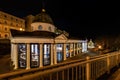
column 56, row 66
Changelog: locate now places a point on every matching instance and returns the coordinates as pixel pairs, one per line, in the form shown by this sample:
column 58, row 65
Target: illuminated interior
column 67, row 50
column 22, row 55
column 59, row 52
column 46, row 54
column 34, row 55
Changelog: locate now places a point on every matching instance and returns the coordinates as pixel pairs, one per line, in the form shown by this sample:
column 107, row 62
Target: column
column 28, row 56
column 55, row 54
column 15, row 56
column 12, row 52
column 64, row 51
column 77, row 48
column 70, row 50
column 41, row 55
column 74, row 49
column 51, row 54
column 80, row 47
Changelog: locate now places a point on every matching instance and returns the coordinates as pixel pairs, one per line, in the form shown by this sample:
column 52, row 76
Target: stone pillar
column 77, row 48
column 15, row 52
column 28, row 56
column 74, row 49
column 55, row 54
column 51, row 54
column 41, row 55
column 64, row 51
column 12, row 52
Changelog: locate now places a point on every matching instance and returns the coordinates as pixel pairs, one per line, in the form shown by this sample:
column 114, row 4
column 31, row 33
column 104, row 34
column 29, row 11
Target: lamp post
column 99, row 49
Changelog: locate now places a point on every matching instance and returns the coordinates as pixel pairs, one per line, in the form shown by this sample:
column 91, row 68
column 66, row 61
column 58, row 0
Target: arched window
column 49, row 28
column 39, row 27
column 6, row 35
column 5, row 29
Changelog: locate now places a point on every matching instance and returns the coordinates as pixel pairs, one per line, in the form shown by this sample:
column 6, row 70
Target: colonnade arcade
column 29, row 53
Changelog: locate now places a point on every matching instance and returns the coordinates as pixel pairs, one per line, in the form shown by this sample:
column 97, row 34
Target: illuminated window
column 59, row 50
column 39, row 27
column 22, row 55
column 67, row 50
column 46, row 54
column 34, row 55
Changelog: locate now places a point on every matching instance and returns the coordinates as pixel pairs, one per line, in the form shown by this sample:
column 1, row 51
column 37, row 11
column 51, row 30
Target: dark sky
column 81, row 18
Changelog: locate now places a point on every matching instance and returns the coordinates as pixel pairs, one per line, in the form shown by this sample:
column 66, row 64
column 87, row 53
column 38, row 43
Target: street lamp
column 100, row 47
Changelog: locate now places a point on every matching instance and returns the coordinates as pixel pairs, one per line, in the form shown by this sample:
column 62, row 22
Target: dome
column 43, row 17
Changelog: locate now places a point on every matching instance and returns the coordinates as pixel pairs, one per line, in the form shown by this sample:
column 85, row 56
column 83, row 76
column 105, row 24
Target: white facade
column 40, row 26
column 47, row 51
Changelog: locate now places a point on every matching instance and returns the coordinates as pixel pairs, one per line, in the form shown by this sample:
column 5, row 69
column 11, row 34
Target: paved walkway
column 115, row 75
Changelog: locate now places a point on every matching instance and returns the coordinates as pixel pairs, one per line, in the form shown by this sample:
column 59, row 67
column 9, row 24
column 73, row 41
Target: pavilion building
column 41, row 45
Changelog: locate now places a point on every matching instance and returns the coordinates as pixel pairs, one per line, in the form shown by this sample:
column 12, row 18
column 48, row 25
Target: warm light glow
column 21, row 29
column 43, row 10
column 99, row 47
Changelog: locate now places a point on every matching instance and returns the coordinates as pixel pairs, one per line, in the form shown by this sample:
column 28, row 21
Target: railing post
column 87, row 69
column 117, row 60
column 118, row 57
column 108, row 63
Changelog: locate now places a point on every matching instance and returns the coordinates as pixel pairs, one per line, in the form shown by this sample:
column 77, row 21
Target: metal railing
column 90, row 68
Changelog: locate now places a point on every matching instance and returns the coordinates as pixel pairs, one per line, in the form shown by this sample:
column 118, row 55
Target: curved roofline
column 43, row 17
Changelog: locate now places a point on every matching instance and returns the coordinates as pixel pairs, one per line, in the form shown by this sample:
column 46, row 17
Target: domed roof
column 43, row 17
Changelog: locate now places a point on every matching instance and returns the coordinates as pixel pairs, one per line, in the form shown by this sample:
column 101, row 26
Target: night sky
column 81, row 18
